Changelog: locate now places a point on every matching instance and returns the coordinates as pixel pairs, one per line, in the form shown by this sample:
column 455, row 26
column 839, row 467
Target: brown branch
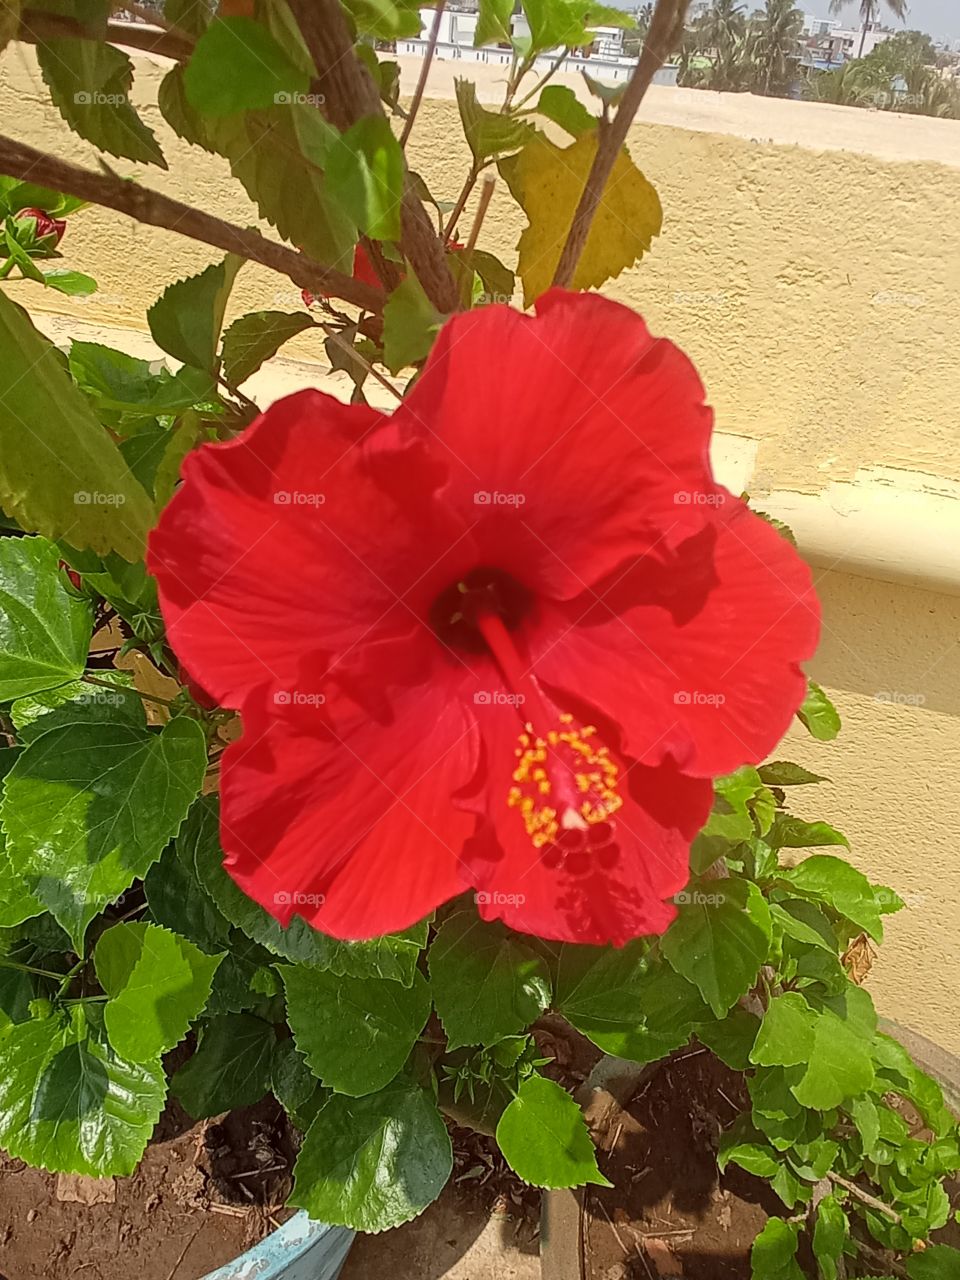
column 17, row 160
column 350, row 94
column 424, row 72
column 36, row 26
column 666, row 27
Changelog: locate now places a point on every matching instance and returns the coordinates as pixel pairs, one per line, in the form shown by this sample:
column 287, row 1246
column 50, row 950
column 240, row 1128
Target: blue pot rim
column 302, row 1249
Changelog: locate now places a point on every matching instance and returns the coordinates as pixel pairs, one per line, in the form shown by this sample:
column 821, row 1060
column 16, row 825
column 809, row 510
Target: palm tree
column 776, row 39
column 722, row 31
column 869, row 9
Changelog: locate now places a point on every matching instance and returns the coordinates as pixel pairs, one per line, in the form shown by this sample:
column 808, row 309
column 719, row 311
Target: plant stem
column 7, row 267
column 29, row 968
column 866, row 1197
column 125, row 688
column 666, row 27
column 36, row 26
column 486, row 193
column 18, row 160
column 424, row 72
column 238, row 394
column 540, row 83
column 346, row 347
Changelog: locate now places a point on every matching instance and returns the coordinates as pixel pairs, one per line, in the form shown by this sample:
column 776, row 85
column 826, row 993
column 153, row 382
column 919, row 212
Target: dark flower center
column 482, row 591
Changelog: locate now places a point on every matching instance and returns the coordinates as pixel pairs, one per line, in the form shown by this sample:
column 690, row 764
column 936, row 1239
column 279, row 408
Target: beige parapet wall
column 810, row 265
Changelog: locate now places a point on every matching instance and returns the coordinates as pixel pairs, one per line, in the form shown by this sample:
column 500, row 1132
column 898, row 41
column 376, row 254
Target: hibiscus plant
column 348, row 745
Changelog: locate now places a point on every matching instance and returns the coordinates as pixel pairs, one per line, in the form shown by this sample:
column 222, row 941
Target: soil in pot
column 669, row 1213
column 203, row 1194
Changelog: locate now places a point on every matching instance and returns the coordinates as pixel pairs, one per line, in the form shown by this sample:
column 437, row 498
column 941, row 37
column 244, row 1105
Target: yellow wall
column 815, row 280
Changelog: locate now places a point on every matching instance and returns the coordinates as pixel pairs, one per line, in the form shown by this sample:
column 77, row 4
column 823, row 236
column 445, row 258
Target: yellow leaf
column 547, row 180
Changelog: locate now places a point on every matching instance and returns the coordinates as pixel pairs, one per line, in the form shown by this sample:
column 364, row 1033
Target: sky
column 939, row 18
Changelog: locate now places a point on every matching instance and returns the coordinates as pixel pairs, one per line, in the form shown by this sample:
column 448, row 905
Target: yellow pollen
column 594, row 777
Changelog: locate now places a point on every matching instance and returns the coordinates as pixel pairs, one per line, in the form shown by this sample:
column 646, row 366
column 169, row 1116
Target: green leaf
column 805, row 923
column 818, row 714
column 79, row 702
column 486, row 983
column 238, row 66
column 488, row 133
column 559, row 103
column 937, row 1262
column 88, row 807
column 839, row 1063
column 60, row 473
column 17, row 903
column 609, row 94
column 151, row 1009
column 231, row 1067
column 410, row 324
column 45, row 628
column 187, row 318
column 789, row 832
column 781, row 773
column 543, row 1137
column 493, row 23
column 732, row 1039
column 279, row 156
column 127, row 391
column 393, row 956
column 719, row 940
column 178, row 902
column 375, row 1162
column 355, row 1033
column 385, row 19
column 829, row 1236
column 599, row 987
column 16, row 195
column 786, row 1034
column 73, row 283
column 756, row 1157
column 294, row 1085
column 773, row 1256
column 841, row 886
column 255, row 338
column 69, row 1103
column 90, row 85
column 365, row 171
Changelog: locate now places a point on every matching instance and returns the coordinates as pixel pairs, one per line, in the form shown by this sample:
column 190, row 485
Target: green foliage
column 231, row 1068
column 237, row 65
column 365, row 167
column 186, row 320
column 410, row 324
column 488, row 133
column 255, row 338
column 543, row 1137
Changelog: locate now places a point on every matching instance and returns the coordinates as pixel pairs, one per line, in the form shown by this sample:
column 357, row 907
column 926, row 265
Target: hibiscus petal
column 282, row 543
column 610, row 889
column 694, row 656
column 567, row 437
column 346, row 819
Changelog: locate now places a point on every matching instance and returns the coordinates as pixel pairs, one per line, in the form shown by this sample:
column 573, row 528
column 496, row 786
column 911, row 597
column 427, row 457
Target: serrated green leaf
column 373, row 1163
column 45, row 628
column 237, row 65
column 365, row 170
column 488, row 133
column 805, row 923
column 732, row 1039
column 486, row 983
column 839, row 1063
column 255, row 338
column 230, row 1068
column 786, row 1035
column 830, row 1233
column 69, row 1103
column 773, row 1256
column 543, row 1137
column 90, row 85
column 17, row 903
column 72, row 283
column 88, row 807
column 719, row 940
column 789, row 832
column 294, row 1085
column 187, row 318
column 178, row 901
column 355, row 1033
column 559, row 103
column 841, row 886
column 166, row 987
column 818, row 715
column 60, row 473
column 80, row 703
column 493, row 23
column 781, row 773
column 937, row 1262
column 410, row 324
column 602, row 986
column 278, row 155
column 393, row 956
column 756, row 1157
column 126, row 390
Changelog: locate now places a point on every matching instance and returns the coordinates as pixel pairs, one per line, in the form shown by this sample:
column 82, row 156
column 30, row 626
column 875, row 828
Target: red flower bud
column 46, row 226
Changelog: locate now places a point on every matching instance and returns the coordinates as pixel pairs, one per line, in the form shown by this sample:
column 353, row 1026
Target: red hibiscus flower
column 500, row 640
column 49, row 230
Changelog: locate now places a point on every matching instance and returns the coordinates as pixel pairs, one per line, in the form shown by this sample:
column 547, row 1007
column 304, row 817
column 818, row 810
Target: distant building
column 604, row 58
